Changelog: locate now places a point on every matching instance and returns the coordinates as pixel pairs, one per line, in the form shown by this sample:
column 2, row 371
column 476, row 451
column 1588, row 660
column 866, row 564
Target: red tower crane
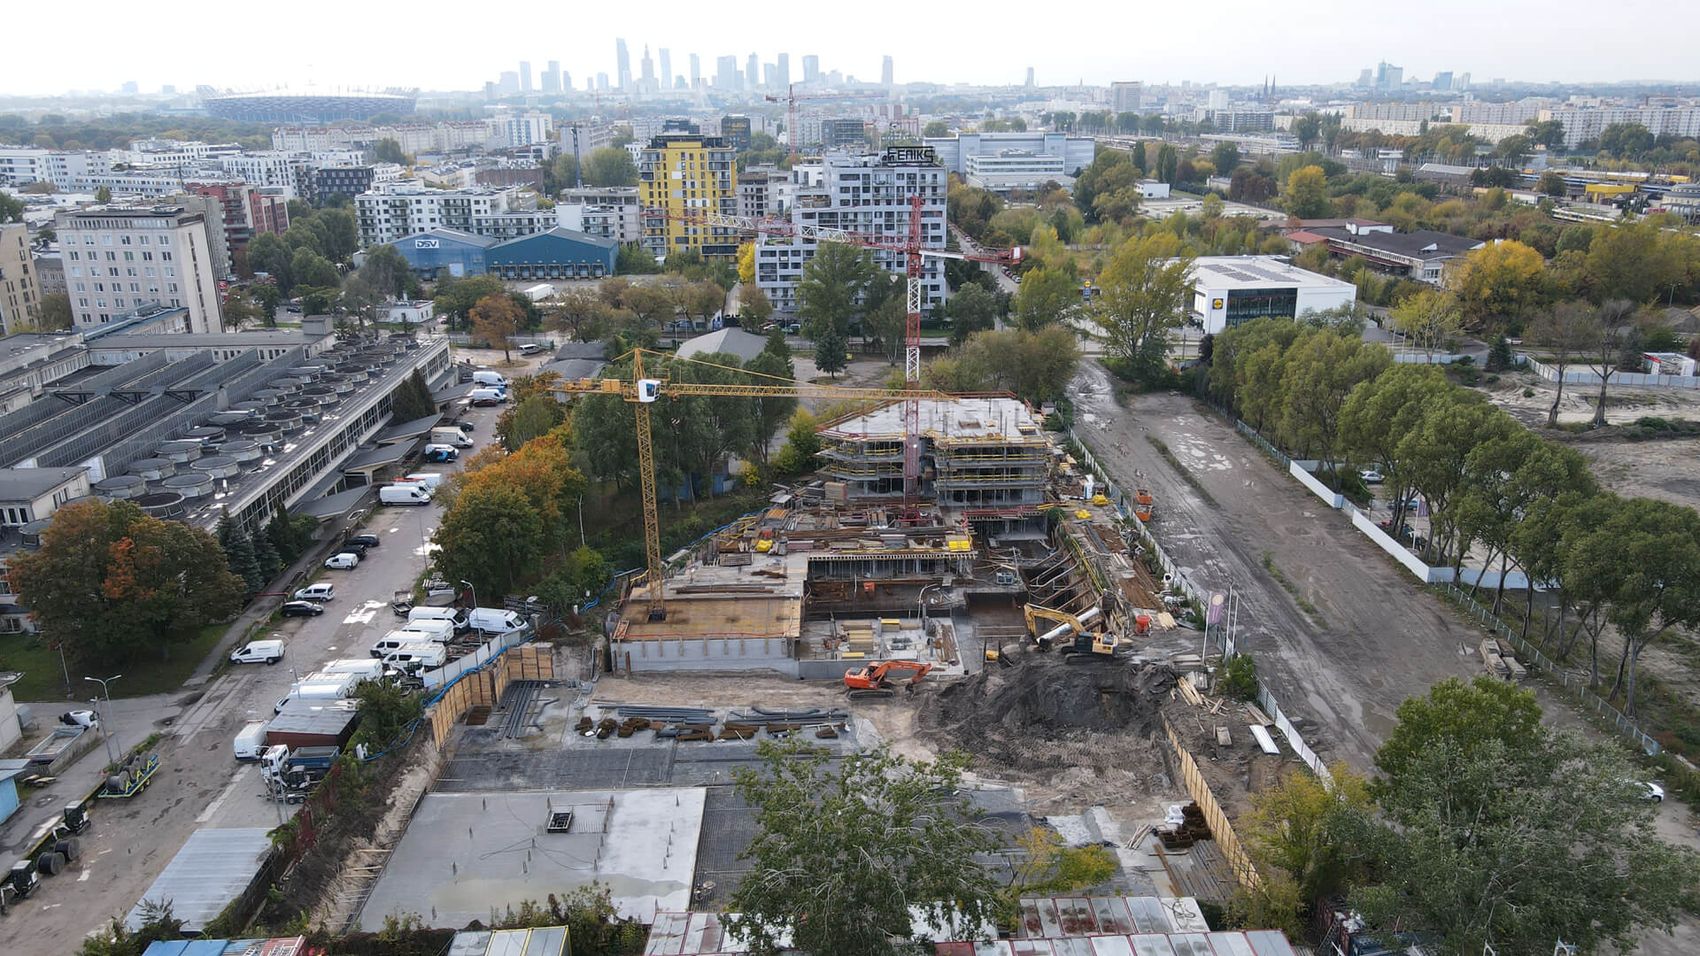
column 914, row 252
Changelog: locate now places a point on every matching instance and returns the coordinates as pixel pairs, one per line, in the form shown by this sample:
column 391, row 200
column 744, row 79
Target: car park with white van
column 258, row 652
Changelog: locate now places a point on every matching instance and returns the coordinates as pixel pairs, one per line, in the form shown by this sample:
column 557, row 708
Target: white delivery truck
column 413, row 658
column 494, row 620
column 251, row 742
column 430, row 479
column 487, row 397
column 454, row 616
column 450, row 436
column 400, row 637
column 405, row 493
column 489, row 379
column 320, row 687
column 430, row 630
column 365, row 669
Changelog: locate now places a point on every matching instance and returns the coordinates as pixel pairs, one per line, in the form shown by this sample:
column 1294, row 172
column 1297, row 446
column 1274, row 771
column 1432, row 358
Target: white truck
column 319, row 686
column 251, row 741
column 430, row 479
column 454, row 616
column 413, row 658
column 363, row 668
column 404, row 493
column 494, row 620
column 429, row 630
column 450, row 435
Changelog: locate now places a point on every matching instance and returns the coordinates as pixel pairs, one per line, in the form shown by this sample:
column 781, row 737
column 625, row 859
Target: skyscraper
column 1124, row 96
column 782, row 71
column 696, row 72
column 726, row 76
column 752, row 73
column 811, row 68
column 623, row 65
column 552, row 78
column 1029, row 77
column 648, row 84
column 666, row 69
column 525, row 76
column 886, row 72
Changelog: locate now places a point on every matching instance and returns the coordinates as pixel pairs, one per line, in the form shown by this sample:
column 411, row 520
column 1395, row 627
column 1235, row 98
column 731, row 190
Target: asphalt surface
column 200, row 784
column 1373, row 640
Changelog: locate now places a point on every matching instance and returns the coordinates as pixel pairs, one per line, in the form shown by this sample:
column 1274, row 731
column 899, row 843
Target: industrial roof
column 329, row 718
column 211, row 869
column 276, row 946
column 21, row 484
column 1421, row 244
column 453, row 235
column 406, row 430
column 569, row 369
column 369, row 458
column 557, row 234
column 728, row 341
column 582, row 350
column 1257, row 272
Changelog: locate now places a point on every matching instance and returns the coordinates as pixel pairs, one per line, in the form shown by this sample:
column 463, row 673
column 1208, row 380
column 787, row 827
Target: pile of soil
column 1074, row 731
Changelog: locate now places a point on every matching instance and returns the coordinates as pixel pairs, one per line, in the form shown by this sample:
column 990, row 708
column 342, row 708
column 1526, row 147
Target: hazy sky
column 440, row 46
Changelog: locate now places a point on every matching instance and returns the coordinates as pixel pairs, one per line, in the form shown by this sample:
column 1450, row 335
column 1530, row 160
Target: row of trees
column 1483, row 827
column 1496, row 493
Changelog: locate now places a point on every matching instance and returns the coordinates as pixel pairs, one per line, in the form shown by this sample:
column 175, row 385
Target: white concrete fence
column 1587, row 376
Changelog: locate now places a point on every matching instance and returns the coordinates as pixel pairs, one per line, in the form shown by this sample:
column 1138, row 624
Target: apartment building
column 866, row 194
column 526, row 129
column 122, row 257
column 682, row 174
column 348, row 181
column 396, row 210
column 956, row 152
column 608, row 212
column 22, row 165
column 20, row 292
column 246, row 210
column 290, row 171
column 1585, row 124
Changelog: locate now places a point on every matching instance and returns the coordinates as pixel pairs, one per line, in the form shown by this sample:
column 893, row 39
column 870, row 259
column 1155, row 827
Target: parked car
column 342, row 561
column 258, row 652
column 1370, row 476
column 366, row 540
column 322, row 591
column 301, row 609
column 80, row 718
column 1652, row 791
column 532, row 348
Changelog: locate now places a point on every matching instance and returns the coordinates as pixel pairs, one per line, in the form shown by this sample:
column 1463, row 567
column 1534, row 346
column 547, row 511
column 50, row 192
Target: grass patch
column 1292, row 589
column 1175, row 463
column 44, row 679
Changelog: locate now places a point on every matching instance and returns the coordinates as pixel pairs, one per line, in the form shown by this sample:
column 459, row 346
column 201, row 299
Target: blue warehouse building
column 556, row 254
column 440, row 253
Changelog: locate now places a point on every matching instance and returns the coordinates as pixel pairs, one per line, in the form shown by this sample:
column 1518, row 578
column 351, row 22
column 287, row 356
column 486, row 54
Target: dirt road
column 1369, row 640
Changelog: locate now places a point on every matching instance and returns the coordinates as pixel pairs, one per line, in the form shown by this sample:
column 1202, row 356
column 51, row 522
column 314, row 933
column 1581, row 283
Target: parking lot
column 200, row 783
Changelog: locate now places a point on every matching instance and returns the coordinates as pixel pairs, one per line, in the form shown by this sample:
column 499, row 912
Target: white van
column 320, row 687
column 450, row 436
column 318, row 593
column 452, row 615
column 363, row 669
column 432, row 480
column 414, row 658
column 494, row 620
column 490, row 379
column 250, row 741
column 396, row 640
column 487, row 396
column 440, row 631
column 404, row 493
column 258, row 652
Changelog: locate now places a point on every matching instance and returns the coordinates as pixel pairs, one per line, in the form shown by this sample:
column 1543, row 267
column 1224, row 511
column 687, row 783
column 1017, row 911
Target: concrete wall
column 1400, row 554
column 1587, row 376
column 706, row 654
column 1329, row 497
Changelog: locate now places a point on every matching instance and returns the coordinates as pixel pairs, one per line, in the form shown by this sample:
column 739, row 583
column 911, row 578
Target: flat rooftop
column 994, row 418
column 1257, row 272
column 467, row 854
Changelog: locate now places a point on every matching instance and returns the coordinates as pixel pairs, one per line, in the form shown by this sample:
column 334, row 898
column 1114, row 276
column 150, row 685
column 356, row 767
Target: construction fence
column 1220, row 829
column 1588, row 376
column 484, row 687
column 1272, row 710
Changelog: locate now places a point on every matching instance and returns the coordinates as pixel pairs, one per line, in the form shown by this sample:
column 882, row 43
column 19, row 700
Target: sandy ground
column 1623, row 405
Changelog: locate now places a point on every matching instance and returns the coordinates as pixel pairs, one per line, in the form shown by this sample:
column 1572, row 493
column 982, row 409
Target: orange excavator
column 882, row 679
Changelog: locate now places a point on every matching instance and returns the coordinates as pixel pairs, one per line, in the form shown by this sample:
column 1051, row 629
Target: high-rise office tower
column 525, row 76
column 726, row 76
column 886, row 72
column 552, row 77
column 601, row 81
column 567, row 82
column 811, row 68
column 696, row 72
column 1029, row 77
column 666, row 69
column 648, row 85
column 752, row 73
column 782, row 71
column 508, row 84
column 623, row 65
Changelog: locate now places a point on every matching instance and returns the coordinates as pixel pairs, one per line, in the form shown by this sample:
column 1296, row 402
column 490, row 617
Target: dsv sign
column 425, row 243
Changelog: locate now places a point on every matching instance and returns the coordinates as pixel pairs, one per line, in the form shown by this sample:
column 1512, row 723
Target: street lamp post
column 106, row 692
column 474, row 591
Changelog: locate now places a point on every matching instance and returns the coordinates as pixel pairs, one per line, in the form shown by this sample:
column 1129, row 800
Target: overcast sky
column 445, row 46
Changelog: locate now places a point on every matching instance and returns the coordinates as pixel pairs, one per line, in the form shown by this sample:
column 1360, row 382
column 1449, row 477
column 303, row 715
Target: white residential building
column 525, row 129
column 870, row 195
column 22, row 165
column 119, row 258
column 1583, row 124
column 396, row 210
column 1071, row 153
column 292, row 171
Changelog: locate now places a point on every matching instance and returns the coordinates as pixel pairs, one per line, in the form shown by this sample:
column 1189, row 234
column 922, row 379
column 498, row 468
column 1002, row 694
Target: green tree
column 610, row 166
column 1548, row 133
column 411, row 400
column 833, row 283
column 387, row 271
column 1551, row 184
column 1565, row 332
column 530, row 417
column 1437, row 458
column 495, row 320
column 633, row 259
column 1306, row 129
column 53, row 313
column 1304, row 829
column 456, row 296
column 111, row 583
column 1144, row 293
column 1225, row 157
column 1626, row 140
column 754, row 307
column 267, row 254
column 158, row 925
column 829, row 350
column 1660, row 588
column 862, row 846
column 1322, row 368
column 309, row 269
column 1044, row 297
column 595, row 927
column 239, row 555
column 491, row 537
column 1495, row 829
column 1306, row 195
column 386, row 709
column 102, row 194
column 11, row 208
column 1045, row 866
column 265, row 554
column 972, row 309
column 1637, row 261
column 1427, row 318
column 768, row 414
column 1380, row 413
column 1611, row 324
column 802, row 444
column 388, row 150
column 936, row 128
column 1036, row 366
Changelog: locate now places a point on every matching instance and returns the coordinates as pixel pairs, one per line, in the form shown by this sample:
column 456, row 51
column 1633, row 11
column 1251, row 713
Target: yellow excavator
column 1081, row 640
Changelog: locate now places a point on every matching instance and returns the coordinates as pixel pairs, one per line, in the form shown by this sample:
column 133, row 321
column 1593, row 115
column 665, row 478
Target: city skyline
column 1323, row 49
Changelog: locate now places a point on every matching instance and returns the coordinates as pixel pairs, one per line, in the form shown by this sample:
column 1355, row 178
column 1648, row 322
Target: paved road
column 201, row 785
column 1374, row 639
